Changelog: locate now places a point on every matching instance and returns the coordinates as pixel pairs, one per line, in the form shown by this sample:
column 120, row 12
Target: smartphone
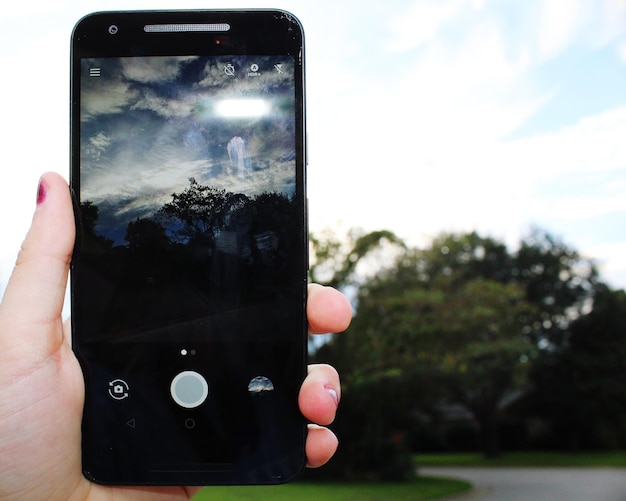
column 188, row 280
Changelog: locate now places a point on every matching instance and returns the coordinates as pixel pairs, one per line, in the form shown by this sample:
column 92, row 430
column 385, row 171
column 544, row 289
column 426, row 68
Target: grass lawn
column 614, row 459
column 420, row 489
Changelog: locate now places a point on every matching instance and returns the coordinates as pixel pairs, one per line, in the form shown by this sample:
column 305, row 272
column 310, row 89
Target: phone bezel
column 91, row 39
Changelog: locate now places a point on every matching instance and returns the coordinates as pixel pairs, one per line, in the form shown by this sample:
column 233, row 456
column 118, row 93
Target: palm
column 41, row 419
column 41, row 407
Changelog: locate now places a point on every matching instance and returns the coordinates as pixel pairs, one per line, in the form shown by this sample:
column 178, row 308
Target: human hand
column 41, row 384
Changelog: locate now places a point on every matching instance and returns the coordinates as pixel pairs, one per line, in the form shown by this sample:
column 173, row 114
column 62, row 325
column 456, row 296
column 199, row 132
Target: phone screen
column 189, row 275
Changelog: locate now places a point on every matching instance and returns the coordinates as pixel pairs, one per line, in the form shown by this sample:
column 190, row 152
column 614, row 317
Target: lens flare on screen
column 242, row 108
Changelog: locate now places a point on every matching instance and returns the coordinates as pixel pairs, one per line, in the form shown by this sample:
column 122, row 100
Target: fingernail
column 333, row 393
column 42, row 191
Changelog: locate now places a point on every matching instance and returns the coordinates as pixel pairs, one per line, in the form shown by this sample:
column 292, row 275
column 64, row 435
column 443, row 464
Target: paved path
column 538, row 484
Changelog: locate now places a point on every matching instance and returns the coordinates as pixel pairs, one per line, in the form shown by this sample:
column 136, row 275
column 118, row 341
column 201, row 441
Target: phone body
column 188, row 280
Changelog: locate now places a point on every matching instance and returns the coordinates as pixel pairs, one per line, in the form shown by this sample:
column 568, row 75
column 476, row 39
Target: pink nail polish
column 42, row 191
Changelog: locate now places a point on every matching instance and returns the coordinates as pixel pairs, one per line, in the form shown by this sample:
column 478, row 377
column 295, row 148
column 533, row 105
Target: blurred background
column 423, row 116
column 467, row 186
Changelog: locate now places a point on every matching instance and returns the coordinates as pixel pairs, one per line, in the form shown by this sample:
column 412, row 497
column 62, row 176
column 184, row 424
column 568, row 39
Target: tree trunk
column 489, row 433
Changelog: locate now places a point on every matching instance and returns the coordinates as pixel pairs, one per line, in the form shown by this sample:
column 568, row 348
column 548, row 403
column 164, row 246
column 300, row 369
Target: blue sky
column 423, row 116
column 149, row 125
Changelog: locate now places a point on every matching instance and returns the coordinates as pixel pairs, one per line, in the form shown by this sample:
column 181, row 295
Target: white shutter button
column 189, row 389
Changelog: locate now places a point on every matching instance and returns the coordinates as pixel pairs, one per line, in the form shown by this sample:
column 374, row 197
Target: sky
column 151, row 124
column 423, row 116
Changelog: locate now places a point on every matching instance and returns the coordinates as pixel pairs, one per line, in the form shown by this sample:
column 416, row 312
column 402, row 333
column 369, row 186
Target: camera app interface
column 187, row 181
column 190, row 278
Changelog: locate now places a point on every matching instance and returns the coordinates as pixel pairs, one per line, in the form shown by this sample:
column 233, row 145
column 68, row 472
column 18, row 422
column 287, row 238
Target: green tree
column 486, row 356
column 335, row 259
column 467, row 340
column 460, row 321
column 556, row 279
column 580, row 388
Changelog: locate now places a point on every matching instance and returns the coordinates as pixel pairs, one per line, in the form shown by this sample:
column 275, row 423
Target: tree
column 467, row 339
column 465, row 317
column 143, row 233
column 580, row 388
column 87, row 236
column 556, row 279
column 486, row 356
column 196, row 213
column 335, row 260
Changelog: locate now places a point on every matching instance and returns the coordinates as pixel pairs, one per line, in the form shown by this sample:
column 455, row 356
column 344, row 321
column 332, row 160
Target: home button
column 189, row 389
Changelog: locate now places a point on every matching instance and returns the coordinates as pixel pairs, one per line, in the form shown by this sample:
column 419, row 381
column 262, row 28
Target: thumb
column 30, row 312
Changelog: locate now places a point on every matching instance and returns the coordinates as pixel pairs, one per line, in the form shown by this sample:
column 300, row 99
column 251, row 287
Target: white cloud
column 611, row 21
column 586, row 207
column 151, row 69
column 421, row 22
column 32, row 7
column 101, row 98
column 595, row 143
column 558, row 23
column 612, row 265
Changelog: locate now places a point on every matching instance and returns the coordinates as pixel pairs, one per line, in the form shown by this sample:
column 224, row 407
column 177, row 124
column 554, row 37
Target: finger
column 34, row 295
column 321, row 445
column 320, row 394
column 328, row 310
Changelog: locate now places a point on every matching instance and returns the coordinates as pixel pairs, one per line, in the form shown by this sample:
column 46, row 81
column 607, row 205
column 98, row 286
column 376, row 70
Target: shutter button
column 189, row 389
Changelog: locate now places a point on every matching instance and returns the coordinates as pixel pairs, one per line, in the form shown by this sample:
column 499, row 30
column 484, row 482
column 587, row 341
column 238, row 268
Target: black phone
column 188, row 280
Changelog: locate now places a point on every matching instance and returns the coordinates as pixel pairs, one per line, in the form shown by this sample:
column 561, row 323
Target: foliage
column 581, row 388
column 557, row 280
column 486, row 358
column 334, row 261
column 88, row 237
column 469, row 338
column 201, row 209
column 460, row 322
column 372, row 429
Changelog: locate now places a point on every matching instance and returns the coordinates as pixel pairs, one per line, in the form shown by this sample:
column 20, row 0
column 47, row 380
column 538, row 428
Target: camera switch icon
column 118, row 389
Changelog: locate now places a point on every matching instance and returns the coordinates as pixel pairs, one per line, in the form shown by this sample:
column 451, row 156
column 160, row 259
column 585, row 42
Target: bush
column 373, row 433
